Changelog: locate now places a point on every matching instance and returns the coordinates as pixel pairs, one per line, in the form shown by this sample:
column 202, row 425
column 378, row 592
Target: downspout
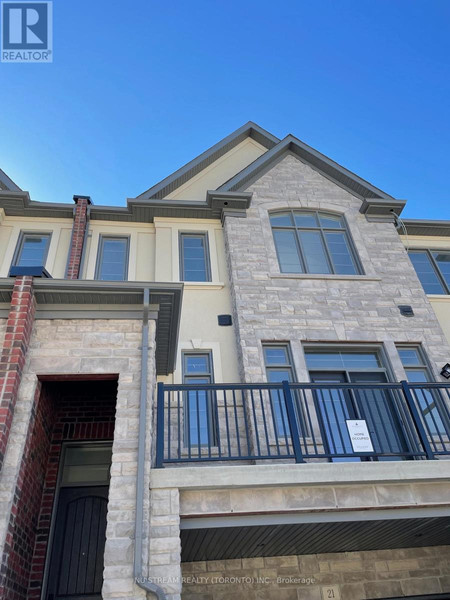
column 141, row 580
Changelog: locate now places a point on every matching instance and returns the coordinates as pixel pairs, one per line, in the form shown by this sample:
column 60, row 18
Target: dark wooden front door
column 76, row 565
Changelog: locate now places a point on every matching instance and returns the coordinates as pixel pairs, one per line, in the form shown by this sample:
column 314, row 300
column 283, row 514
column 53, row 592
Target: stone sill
column 439, row 297
column 203, row 285
column 314, row 276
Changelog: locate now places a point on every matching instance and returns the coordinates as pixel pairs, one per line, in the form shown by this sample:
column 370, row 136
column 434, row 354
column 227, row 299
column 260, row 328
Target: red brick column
column 78, row 234
column 15, row 346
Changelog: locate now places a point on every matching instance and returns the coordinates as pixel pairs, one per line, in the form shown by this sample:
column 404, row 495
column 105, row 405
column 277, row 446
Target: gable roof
column 331, row 169
column 231, row 195
column 189, row 170
column 6, row 183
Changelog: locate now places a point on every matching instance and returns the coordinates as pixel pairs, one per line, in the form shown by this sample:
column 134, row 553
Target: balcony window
column 279, row 368
column 198, row 409
column 337, row 405
column 112, row 260
column 32, row 250
column 430, row 402
column 433, row 270
column 194, row 257
column 313, row 242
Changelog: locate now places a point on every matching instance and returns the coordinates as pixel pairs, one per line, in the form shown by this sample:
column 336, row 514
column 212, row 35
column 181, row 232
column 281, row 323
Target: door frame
column 62, row 456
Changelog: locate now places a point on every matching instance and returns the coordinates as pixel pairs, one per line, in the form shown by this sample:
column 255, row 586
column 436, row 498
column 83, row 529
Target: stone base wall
column 349, row 576
column 87, row 347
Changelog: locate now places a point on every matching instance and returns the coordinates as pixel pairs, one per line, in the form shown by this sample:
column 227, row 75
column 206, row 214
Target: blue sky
column 139, row 88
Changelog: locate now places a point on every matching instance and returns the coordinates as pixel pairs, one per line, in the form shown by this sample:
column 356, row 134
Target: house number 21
column 331, row 593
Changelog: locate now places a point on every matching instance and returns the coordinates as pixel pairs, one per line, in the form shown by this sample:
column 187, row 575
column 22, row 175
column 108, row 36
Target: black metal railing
column 302, row 422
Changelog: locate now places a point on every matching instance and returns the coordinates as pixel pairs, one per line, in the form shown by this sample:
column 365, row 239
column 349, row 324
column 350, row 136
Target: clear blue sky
column 139, row 88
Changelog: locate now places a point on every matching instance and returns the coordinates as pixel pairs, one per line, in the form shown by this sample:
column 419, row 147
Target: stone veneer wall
column 351, row 575
column 269, row 306
column 83, row 347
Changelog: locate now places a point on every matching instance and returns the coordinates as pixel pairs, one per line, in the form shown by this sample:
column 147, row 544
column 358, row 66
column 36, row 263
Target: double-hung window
column 32, row 250
column 433, row 270
column 112, row 259
column 199, row 417
column 313, row 242
column 432, row 405
column 194, row 257
column 277, row 358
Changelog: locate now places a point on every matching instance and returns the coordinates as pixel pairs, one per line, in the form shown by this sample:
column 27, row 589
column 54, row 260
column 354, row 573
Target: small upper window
column 313, row 242
column 433, row 270
column 32, row 250
column 112, row 260
column 194, row 257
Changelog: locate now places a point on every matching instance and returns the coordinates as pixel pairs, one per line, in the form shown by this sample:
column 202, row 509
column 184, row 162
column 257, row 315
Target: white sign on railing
column 359, row 436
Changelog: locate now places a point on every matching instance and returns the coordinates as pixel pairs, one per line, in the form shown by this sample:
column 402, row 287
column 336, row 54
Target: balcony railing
column 302, row 422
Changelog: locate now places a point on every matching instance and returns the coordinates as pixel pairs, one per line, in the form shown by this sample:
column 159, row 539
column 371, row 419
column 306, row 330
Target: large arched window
column 313, row 242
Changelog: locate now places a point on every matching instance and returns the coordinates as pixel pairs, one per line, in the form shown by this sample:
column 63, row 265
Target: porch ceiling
column 312, row 538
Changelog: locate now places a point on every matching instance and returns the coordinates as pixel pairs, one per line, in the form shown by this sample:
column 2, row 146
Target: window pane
column 340, row 253
column 314, row 251
column 361, row 360
column 33, row 251
column 426, row 273
column 276, row 355
column 196, row 364
column 279, row 375
column 281, row 220
column 287, row 251
column 342, row 360
column 306, row 219
column 331, row 221
column 113, row 259
column 443, row 260
column 432, row 407
column 199, row 414
column 194, row 258
column 409, row 356
column 417, row 375
column 84, row 465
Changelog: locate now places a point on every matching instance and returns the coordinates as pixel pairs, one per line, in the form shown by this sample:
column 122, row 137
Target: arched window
column 313, row 242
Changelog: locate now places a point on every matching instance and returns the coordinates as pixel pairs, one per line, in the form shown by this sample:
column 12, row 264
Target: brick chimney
column 80, row 221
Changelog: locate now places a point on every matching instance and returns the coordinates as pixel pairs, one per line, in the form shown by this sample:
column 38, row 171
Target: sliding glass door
column 378, row 407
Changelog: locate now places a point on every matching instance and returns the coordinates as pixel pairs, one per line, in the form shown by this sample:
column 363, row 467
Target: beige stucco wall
column 141, row 263
column 202, row 302
column 153, row 256
column 58, row 252
column 219, row 171
column 441, row 306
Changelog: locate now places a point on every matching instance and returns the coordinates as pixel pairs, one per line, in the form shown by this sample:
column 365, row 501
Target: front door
column 75, row 569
